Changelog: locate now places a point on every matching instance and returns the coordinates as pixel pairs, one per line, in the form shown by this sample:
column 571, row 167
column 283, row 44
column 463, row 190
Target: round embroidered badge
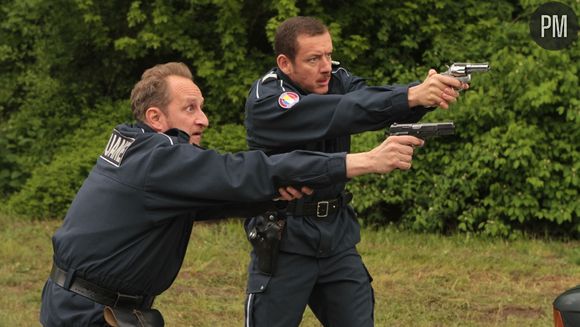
column 288, row 99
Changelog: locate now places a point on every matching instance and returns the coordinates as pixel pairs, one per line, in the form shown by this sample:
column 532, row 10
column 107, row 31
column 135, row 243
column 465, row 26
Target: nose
column 326, row 65
column 201, row 119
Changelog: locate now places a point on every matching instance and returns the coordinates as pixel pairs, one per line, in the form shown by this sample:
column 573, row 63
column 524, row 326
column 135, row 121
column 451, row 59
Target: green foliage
column 50, row 189
column 514, row 163
column 225, row 138
column 67, row 68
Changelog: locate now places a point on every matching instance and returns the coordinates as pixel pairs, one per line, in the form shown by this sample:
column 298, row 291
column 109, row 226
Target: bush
column 512, row 166
column 225, row 138
column 514, row 163
column 51, row 187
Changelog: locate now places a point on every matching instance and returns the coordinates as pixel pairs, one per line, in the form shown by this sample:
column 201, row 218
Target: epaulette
column 336, row 67
column 271, row 76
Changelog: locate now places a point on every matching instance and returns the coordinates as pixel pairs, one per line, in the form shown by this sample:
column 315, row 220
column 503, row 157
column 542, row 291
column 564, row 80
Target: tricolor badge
column 288, row 99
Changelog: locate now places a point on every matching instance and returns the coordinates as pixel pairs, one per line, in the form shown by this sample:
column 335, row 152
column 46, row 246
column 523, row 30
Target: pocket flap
column 258, row 283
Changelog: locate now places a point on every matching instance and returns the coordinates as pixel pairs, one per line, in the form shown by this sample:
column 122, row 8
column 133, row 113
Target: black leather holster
column 265, row 232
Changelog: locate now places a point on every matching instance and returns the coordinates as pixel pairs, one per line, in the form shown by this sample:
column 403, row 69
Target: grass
column 419, row 279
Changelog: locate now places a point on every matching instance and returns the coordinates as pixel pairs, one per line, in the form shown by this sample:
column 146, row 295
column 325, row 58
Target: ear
column 284, row 63
column 156, row 119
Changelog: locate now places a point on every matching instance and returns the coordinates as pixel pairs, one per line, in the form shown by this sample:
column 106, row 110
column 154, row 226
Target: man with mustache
column 124, row 237
column 309, row 102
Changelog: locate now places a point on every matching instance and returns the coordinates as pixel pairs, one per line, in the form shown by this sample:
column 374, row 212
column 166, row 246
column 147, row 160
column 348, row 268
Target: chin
column 321, row 90
column 195, row 141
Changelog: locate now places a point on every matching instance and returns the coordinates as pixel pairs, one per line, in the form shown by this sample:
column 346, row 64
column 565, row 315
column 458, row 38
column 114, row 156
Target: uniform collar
column 287, row 80
column 144, row 127
column 181, row 136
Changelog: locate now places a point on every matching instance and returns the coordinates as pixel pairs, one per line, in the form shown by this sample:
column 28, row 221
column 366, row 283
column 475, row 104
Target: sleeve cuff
column 400, row 99
column 337, row 167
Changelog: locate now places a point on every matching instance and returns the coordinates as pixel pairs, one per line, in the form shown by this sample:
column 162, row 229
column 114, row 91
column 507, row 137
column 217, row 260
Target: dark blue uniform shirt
column 281, row 117
column 129, row 225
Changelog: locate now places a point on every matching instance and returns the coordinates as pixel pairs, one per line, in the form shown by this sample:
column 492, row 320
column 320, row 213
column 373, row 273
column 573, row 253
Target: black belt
column 319, row 209
column 97, row 293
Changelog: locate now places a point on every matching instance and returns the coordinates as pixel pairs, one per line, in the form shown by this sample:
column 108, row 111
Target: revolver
column 422, row 131
column 462, row 70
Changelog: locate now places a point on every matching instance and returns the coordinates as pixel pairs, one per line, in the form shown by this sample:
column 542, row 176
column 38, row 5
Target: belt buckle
column 128, row 300
column 322, row 205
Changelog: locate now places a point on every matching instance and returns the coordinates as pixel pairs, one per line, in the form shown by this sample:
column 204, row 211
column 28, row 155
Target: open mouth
column 196, row 135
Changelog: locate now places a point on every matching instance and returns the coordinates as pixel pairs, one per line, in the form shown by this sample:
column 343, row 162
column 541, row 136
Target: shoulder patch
column 116, row 148
column 287, row 100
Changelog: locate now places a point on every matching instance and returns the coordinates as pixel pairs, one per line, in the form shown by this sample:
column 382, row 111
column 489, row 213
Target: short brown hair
column 151, row 90
column 286, row 39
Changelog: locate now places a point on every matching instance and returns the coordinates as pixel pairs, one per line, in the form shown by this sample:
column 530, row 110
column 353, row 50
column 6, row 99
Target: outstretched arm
column 396, row 152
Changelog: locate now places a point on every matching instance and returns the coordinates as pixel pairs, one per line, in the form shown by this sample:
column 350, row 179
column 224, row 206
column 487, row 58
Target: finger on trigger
column 452, row 82
column 418, row 141
column 412, row 140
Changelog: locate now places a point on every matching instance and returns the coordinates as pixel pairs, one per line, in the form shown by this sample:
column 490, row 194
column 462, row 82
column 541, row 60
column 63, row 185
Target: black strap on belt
column 97, row 293
column 319, row 209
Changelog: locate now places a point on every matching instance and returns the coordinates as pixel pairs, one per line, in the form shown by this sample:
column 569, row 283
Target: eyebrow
column 191, row 98
column 317, row 53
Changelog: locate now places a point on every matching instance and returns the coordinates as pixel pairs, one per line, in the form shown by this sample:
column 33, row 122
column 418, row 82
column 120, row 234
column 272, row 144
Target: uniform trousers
column 337, row 289
column 63, row 308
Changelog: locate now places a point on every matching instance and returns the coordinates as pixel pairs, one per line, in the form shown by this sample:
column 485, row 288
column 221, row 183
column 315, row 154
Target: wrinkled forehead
column 184, row 89
column 313, row 43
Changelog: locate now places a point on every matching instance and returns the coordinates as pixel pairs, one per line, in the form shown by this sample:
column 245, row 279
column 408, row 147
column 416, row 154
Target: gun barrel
column 476, row 68
column 459, row 69
column 423, row 130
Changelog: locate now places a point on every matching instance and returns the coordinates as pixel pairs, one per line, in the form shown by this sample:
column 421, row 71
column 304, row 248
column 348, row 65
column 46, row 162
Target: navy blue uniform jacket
column 129, row 225
column 281, row 117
